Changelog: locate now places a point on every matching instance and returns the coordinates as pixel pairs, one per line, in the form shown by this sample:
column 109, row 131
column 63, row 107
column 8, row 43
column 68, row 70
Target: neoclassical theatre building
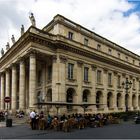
column 66, row 62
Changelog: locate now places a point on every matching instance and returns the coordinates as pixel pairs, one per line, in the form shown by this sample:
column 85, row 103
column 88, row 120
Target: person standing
column 32, row 117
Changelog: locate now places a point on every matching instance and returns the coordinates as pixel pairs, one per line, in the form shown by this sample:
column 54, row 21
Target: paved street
column 124, row 130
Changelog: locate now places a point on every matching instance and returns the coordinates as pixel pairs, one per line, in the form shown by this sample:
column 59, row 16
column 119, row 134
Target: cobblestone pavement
column 125, row 130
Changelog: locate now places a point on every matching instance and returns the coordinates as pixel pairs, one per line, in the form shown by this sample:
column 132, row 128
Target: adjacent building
column 66, row 62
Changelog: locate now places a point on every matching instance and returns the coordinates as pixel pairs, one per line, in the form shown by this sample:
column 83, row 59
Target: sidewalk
column 124, row 130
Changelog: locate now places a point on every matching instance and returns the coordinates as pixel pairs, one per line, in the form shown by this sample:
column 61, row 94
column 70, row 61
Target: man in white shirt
column 32, row 117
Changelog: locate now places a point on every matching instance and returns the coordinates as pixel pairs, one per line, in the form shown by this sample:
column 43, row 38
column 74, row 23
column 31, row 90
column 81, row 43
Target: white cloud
column 106, row 17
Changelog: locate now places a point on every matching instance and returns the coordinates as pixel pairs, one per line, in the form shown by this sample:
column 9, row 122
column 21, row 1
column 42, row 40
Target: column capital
column 94, row 67
column 137, row 78
column 7, row 69
column 123, row 74
column 20, row 59
column 54, row 58
column 63, row 59
column 105, row 70
column 131, row 76
column 32, row 52
column 2, row 72
column 115, row 73
column 80, row 63
column 13, row 65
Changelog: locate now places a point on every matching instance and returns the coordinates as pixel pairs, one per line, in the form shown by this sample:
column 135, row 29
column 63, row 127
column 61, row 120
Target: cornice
column 96, row 57
column 22, row 42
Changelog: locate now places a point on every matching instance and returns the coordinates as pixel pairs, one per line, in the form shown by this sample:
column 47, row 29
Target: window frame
column 70, row 71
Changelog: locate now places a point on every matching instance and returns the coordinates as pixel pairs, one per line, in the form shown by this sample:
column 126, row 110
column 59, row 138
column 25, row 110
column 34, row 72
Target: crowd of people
column 67, row 122
column 2, row 115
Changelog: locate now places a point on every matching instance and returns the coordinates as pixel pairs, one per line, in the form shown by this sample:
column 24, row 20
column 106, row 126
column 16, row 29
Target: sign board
column 7, row 99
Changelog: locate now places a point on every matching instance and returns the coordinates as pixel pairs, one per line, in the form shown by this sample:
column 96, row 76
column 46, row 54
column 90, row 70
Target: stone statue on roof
column 13, row 39
column 2, row 52
column 22, row 29
column 7, row 46
column 32, row 19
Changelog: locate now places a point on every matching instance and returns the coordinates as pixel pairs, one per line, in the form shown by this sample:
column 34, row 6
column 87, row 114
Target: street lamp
column 126, row 85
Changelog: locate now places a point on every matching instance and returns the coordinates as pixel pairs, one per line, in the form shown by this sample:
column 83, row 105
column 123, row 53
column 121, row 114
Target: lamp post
column 126, row 85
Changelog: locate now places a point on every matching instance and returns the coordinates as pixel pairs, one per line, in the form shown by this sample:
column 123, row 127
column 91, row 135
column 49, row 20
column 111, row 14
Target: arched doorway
column 109, row 99
column 49, row 98
column 139, row 101
column 39, row 98
column 49, row 95
column 86, row 94
column 99, row 98
column 119, row 100
column 69, row 97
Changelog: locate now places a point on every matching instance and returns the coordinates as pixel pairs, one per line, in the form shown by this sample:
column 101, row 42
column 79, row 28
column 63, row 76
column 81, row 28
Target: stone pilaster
column 55, row 82
column 22, row 85
column 14, row 87
column 62, row 78
column 123, row 102
column 137, row 102
column 32, row 81
column 115, row 91
column 2, row 91
column 105, row 83
column 79, row 83
column 130, row 102
column 92, row 99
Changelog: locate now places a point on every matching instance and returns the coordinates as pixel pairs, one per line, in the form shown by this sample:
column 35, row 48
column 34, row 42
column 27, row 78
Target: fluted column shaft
column 2, row 92
column 22, row 85
column 7, row 86
column 7, row 83
column 14, row 87
column 32, row 81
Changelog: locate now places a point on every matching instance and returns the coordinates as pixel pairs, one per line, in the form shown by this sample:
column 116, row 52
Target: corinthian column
column 32, row 81
column 14, row 87
column 22, row 85
column 7, row 84
column 2, row 91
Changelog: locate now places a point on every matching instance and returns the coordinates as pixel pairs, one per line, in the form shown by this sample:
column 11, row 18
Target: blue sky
column 116, row 20
column 136, row 8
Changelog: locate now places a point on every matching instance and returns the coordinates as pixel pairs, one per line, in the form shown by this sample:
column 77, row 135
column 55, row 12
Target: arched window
column 98, row 98
column 118, row 100
column 85, row 95
column 69, row 97
column 109, row 99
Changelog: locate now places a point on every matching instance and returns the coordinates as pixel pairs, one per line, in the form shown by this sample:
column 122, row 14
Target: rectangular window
column 119, row 55
column 109, row 51
column 134, row 62
column 86, row 41
column 133, row 83
column 70, row 70
column 70, row 35
column 119, row 80
column 85, row 73
column 99, row 76
column 126, row 58
column 49, row 72
column 109, row 78
column 39, row 77
column 139, row 85
column 98, row 47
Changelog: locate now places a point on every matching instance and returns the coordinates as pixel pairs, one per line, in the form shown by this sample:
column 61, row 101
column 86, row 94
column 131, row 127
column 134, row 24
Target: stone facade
column 65, row 62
